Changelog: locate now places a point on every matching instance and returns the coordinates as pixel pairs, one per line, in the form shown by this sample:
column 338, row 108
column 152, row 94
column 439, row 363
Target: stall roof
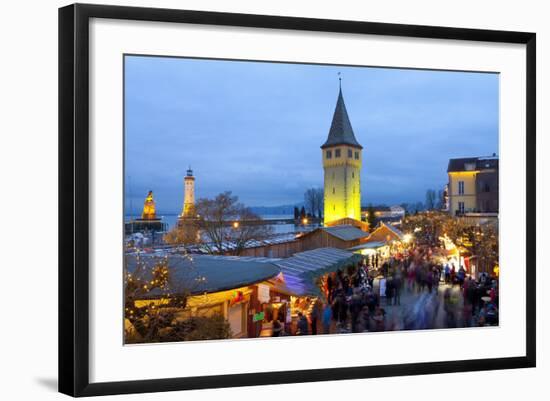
column 395, row 230
column 204, row 273
column 346, row 232
column 300, row 270
column 368, row 245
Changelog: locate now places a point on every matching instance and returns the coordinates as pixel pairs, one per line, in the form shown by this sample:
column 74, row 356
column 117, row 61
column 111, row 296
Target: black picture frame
column 74, row 198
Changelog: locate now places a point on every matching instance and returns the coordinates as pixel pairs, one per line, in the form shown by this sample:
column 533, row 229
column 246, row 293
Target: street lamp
column 304, row 221
column 235, row 224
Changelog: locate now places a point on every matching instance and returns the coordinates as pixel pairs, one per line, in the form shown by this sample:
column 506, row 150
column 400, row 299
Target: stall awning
column 301, row 269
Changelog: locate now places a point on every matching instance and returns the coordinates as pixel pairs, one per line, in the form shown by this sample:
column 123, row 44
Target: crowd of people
column 358, row 298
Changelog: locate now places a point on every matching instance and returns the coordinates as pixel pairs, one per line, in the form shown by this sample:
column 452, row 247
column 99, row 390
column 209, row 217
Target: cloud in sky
column 256, row 128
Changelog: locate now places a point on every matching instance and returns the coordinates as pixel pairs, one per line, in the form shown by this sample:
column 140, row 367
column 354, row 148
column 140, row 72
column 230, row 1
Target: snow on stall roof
column 346, row 232
column 367, row 245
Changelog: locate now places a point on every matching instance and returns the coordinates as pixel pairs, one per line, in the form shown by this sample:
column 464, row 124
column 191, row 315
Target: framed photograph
column 251, row 199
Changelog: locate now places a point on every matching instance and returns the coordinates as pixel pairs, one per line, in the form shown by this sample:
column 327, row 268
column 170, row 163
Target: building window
column 486, row 188
column 350, row 153
column 356, row 155
column 352, row 174
column 337, row 153
column 329, row 154
column 461, row 207
column 333, row 175
column 333, row 208
column 461, row 187
column 333, row 190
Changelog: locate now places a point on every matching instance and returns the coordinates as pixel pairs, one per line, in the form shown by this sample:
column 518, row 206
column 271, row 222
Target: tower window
column 356, row 155
column 337, row 153
column 329, row 154
column 350, row 153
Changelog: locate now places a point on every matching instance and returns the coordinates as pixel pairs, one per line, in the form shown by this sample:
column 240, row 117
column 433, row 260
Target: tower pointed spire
column 341, row 132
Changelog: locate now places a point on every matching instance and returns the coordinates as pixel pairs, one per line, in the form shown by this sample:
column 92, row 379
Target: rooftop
column 346, row 232
column 301, row 269
column 341, row 132
column 201, row 274
column 472, row 163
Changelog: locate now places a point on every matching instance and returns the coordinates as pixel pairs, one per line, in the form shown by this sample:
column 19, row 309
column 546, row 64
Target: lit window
column 329, row 154
column 356, row 155
column 337, row 153
column 350, row 153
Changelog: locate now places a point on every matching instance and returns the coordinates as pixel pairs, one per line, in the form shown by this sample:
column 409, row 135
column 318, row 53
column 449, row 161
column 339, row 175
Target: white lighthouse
column 189, row 196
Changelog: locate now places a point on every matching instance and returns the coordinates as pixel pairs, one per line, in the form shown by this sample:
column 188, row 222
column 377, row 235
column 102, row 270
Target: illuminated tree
column 153, row 298
column 184, row 233
column 227, row 225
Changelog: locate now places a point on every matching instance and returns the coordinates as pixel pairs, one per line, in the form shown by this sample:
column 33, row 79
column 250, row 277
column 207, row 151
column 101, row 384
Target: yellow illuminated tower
column 342, row 165
column 189, row 196
column 149, row 212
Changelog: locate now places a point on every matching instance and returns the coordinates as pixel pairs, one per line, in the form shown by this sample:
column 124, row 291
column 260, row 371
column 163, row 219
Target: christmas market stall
column 190, row 286
column 304, row 276
column 384, row 241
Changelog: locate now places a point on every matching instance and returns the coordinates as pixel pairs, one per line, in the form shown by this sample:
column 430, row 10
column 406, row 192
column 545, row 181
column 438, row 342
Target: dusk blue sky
column 256, row 128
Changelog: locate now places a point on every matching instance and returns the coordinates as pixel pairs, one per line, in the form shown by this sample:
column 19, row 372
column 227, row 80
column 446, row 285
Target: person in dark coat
column 315, row 315
column 355, row 308
column 389, row 291
column 397, row 283
column 277, row 328
column 303, row 328
column 330, row 287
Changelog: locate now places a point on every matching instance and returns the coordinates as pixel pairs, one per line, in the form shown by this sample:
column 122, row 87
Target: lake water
column 171, row 220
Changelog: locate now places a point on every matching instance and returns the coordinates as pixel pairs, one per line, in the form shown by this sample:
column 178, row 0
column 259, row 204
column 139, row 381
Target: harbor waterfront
column 283, row 223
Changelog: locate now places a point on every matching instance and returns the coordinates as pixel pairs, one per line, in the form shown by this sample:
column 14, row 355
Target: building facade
column 473, row 185
column 342, row 160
